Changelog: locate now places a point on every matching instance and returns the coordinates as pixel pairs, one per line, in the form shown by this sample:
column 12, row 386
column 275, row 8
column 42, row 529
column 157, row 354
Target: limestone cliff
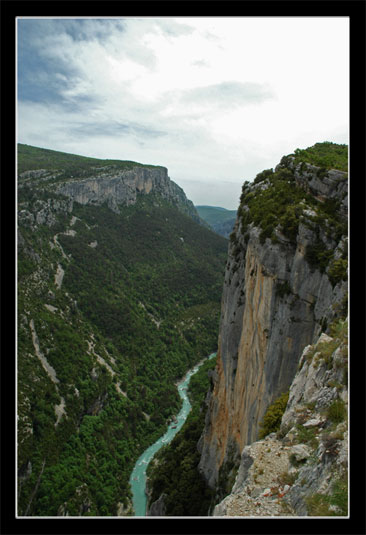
column 285, row 281
column 302, row 470
column 116, row 186
column 90, row 181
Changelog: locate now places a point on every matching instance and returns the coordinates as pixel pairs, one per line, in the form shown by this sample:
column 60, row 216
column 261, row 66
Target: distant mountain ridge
column 95, row 181
column 219, row 219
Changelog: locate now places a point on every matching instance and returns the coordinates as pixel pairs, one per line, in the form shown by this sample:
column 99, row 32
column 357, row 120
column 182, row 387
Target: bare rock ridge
column 284, row 284
column 122, row 187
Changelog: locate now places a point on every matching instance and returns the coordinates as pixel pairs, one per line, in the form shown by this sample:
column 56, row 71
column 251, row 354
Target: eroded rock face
column 44, row 212
column 158, row 508
column 274, row 304
column 260, row 340
column 122, row 187
column 282, row 473
column 333, row 185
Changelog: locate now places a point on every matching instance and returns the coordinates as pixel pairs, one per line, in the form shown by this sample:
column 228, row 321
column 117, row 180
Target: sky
column 216, row 100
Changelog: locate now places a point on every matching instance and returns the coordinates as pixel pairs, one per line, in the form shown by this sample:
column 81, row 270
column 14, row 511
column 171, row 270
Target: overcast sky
column 215, row 100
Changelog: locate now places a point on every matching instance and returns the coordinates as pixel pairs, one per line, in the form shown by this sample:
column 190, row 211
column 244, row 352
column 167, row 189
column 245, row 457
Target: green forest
column 119, row 306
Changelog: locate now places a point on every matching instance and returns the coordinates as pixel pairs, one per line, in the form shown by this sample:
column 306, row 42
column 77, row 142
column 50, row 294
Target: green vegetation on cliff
column 278, row 201
column 325, row 155
column 272, row 419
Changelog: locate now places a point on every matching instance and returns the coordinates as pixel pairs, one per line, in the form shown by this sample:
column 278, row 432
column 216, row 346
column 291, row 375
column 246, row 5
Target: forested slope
column 113, row 307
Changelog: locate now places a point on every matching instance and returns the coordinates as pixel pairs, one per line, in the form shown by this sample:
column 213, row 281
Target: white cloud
column 216, row 100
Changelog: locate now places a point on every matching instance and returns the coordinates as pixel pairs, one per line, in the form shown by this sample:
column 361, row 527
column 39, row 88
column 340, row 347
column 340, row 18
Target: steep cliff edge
column 285, row 281
column 302, row 470
column 90, row 181
column 122, row 187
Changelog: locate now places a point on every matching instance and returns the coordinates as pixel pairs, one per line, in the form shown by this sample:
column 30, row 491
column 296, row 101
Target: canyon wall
column 116, row 186
column 275, row 302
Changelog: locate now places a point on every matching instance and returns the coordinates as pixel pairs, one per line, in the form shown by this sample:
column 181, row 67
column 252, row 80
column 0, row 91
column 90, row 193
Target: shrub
column 337, row 412
column 267, row 173
column 338, row 271
column 306, row 436
column 318, row 505
column 317, row 256
column 325, row 352
column 266, row 233
column 283, row 288
column 285, row 478
column 339, row 330
column 339, row 497
column 272, row 419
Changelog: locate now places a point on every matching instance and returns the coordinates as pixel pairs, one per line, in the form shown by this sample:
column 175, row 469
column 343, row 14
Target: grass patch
column 337, row 412
column 306, row 436
column 336, row 504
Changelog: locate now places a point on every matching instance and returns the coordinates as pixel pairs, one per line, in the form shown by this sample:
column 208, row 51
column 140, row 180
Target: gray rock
column 274, row 305
column 246, row 462
column 121, row 187
column 314, row 422
column 300, row 451
column 158, row 508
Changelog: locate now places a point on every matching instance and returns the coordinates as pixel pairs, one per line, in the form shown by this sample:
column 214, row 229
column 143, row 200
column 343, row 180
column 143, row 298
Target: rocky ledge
column 302, row 469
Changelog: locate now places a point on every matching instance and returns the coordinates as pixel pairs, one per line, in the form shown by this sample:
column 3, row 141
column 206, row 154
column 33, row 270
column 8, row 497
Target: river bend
column 138, row 475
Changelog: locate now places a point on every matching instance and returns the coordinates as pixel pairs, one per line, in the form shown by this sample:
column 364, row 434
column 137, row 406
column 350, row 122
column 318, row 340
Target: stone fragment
column 313, row 422
column 300, row 451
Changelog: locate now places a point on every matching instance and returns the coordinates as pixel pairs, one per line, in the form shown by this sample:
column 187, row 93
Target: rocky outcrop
column 323, row 184
column 158, row 508
column 108, row 184
column 302, row 469
column 44, row 212
column 118, row 187
column 259, row 486
column 275, row 302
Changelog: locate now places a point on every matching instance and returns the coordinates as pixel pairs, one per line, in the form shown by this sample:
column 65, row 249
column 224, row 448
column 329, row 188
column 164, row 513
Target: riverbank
column 138, row 476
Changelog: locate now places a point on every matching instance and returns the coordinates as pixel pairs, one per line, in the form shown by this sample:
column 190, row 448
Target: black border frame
column 356, row 11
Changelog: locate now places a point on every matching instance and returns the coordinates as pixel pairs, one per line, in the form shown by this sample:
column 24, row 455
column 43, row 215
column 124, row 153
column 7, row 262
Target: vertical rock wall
column 123, row 186
column 273, row 305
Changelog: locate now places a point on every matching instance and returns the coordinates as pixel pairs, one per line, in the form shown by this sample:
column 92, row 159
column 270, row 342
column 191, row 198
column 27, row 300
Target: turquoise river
column 138, row 475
